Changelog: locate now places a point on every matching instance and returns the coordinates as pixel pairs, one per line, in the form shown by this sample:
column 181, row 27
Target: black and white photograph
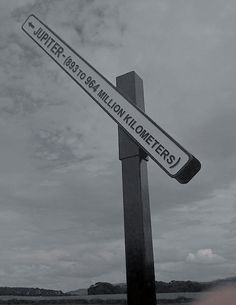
column 118, row 152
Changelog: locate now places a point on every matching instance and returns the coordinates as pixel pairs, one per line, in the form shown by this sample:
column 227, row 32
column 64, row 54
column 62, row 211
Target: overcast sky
column 61, row 210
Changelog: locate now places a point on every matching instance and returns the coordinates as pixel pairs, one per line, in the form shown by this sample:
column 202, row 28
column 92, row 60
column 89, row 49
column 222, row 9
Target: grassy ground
column 178, row 301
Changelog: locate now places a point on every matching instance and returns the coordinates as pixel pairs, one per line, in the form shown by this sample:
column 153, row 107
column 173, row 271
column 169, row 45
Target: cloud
column 32, row 85
column 60, row 177
column 82, row 261
column 60, row 147
column 91, row 23
column 204, row 256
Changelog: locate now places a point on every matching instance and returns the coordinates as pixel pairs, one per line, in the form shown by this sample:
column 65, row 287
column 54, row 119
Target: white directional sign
column 162, row 148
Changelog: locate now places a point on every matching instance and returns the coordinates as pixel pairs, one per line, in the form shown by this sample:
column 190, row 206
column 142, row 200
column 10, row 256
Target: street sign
column 161, row 147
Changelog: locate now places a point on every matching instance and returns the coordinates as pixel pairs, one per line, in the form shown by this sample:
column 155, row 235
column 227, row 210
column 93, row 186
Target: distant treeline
column 161, row 287
column 181, row 286
column 21, row 291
